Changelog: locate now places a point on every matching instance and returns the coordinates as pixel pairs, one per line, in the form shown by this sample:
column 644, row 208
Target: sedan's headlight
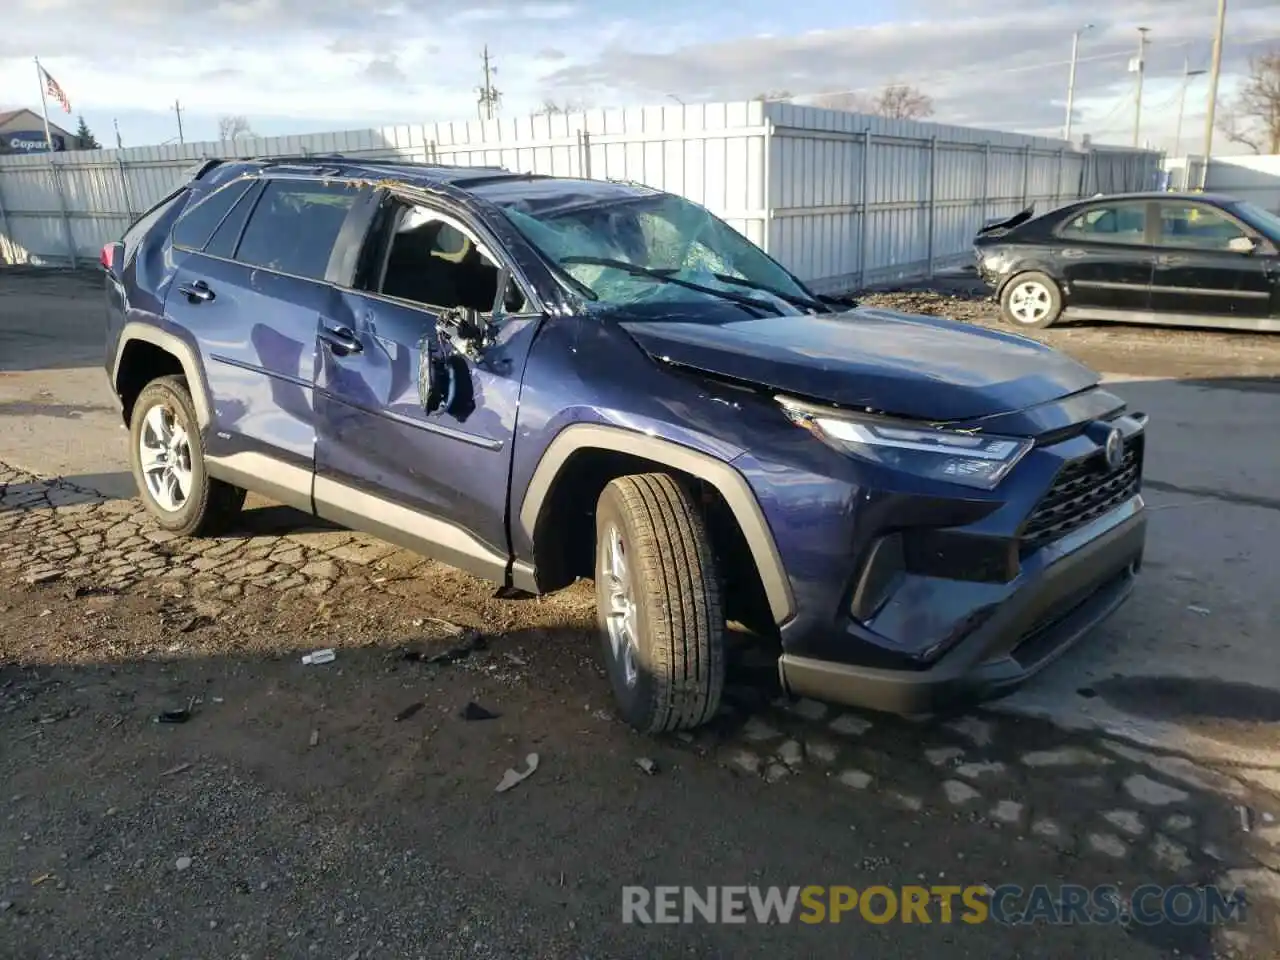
column 967, row 457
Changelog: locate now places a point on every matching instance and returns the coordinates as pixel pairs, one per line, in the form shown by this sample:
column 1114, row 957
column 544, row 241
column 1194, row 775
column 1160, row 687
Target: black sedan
column 1166, row 258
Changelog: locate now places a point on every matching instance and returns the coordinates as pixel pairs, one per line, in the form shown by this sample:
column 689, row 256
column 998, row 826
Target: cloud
column 998, row 63
column 985, row 62
column 384, row 70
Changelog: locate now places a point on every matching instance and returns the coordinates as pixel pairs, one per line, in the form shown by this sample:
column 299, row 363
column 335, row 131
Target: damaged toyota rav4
column 538, row 379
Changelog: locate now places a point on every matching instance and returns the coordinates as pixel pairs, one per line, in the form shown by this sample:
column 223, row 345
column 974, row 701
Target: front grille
column 1081, row 492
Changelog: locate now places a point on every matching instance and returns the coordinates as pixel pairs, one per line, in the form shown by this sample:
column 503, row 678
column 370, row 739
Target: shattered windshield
column 656, row 248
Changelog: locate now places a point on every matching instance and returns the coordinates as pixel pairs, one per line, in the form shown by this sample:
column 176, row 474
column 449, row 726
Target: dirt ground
column 348, row 809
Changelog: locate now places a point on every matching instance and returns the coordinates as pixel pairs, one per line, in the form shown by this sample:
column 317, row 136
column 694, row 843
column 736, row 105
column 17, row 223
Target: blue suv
column 538, row 379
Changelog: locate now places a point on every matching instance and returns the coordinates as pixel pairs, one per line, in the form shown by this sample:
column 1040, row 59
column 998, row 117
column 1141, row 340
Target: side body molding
column 170, row 343
column 728, row 481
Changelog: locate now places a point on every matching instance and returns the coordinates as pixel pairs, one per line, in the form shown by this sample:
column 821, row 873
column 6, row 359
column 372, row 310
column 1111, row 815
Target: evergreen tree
column 85, row 139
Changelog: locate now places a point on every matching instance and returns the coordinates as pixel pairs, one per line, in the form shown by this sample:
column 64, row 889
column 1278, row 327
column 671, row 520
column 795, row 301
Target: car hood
column 912, row 366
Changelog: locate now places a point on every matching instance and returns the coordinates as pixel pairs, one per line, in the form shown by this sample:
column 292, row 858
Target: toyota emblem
column 1114, row 449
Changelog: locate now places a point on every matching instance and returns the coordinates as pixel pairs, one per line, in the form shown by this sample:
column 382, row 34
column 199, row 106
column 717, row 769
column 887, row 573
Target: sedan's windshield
column 1260, row 219
column 657, row 248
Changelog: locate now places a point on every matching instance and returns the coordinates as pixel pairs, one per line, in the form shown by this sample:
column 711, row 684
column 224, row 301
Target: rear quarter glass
column 138, row 230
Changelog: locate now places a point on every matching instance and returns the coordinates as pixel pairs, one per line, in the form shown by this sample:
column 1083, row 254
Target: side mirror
column 1242, row 245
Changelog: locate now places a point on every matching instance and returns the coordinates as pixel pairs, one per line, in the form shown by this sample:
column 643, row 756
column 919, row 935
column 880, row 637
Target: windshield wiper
column 791, row 298
column 666, row 275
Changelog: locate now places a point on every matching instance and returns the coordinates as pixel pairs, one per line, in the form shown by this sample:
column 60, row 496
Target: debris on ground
column 473, row 641
column 177, row 716
column 409, row 711
column 473, row 711
column 317, row 657
column 512, row 777
column 180, row 768
column 183, row 863
column 315, row 737
column 647, row 765
column 1203, row 611
column 43, row 878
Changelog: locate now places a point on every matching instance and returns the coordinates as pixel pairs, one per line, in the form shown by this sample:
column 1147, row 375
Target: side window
column 1113, row 224
column 436, row 262
column 1195, row 226
column 196, row 226
column 223, row 241
column 294, row 226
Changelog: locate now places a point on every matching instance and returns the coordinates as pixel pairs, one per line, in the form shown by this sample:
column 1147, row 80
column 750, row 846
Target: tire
column 207, row 506
column 670, row 677
column 1031, row 300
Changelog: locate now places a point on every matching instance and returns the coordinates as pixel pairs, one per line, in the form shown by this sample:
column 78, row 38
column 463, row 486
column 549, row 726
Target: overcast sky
column 294, row 66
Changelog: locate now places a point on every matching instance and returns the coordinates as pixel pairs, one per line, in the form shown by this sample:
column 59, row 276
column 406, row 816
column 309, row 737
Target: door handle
column 1170, row 259
column 196, row 292
column 341, row 340
column 1072, row 253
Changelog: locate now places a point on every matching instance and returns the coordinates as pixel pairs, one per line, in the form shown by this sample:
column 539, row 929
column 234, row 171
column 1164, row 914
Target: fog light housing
column 881, row 572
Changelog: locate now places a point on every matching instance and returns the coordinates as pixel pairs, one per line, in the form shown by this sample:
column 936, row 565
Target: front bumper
column 1031, row 628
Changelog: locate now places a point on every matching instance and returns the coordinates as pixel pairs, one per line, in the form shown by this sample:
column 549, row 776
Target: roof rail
column 496, row 175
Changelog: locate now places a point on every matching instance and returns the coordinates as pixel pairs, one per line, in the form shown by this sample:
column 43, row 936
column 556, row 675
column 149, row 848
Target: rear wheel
column 1031, row 300
column 658, row 604
column 167, row 456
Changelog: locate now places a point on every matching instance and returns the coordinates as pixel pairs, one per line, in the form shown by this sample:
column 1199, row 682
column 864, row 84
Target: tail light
column 112, row 257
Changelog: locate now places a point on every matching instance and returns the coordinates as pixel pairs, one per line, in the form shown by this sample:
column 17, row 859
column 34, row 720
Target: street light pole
column 1187, row 74
column 1071, row 80
column 1214, row 72
column 1140, row 66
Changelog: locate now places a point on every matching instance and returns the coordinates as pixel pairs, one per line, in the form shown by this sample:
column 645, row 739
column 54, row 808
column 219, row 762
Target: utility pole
column 1071, row 80
column 1139, row 66
column 1187, row 74
column 1214, row 72
column 490, row 96
column 177, row 108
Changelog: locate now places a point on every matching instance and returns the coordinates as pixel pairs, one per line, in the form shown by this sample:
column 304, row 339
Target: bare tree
column 898, row 101
column 771, row 95
column 1253, row 120
column 551, row 107
column 234, row 127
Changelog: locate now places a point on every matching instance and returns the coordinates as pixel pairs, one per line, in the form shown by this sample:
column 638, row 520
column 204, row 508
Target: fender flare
column 180, row 349
column 730, row 483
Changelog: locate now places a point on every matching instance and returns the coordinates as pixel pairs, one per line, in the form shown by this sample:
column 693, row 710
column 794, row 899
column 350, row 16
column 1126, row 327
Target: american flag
column 51, row 87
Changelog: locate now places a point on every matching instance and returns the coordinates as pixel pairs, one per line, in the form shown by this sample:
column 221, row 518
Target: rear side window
column 294, row 226
column 223, row 241
column 1111, row 224
column 196, row 226
column 139, row 229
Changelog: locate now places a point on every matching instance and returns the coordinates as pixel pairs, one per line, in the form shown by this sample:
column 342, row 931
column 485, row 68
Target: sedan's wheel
column 168, row 463
column 658, row 603
column 1031, row 300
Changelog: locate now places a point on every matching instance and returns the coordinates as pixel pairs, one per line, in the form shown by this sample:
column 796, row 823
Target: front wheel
column 658, row 604
column 167, row 456
column 1031, row 300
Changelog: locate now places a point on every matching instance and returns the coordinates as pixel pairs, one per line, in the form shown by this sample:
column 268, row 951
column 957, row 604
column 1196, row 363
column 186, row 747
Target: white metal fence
column 1252, row 178
column 842, row 199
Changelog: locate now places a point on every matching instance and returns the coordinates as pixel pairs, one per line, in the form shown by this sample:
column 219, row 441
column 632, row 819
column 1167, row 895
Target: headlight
column 971, row 458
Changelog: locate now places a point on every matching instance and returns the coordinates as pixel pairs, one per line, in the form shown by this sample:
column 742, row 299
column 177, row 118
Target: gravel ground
column 348, row 809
